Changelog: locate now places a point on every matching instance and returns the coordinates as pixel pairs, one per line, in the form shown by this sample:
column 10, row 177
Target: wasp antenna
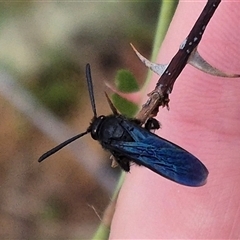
column 114, row 110
column 90, row 89
column 60, row 146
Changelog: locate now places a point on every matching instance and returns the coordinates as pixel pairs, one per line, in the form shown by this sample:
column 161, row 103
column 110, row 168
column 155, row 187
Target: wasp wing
column 161, row 156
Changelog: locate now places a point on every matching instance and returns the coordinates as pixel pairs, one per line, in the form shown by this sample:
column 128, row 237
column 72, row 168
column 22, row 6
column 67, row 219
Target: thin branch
column 160, row 95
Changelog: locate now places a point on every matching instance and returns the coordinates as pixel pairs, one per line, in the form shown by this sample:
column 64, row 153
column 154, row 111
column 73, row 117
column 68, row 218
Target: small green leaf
column 124, row 106
column 125, row 82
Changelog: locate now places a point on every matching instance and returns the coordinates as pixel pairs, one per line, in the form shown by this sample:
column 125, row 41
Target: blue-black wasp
column 128, row 142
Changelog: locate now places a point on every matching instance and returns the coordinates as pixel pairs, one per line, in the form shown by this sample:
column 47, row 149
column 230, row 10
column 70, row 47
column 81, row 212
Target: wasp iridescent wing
column 161, row 156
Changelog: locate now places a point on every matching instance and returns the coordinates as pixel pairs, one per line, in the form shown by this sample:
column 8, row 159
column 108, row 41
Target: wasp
column 128, row 142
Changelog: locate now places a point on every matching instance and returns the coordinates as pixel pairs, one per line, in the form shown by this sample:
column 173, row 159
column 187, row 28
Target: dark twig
column 159, row 96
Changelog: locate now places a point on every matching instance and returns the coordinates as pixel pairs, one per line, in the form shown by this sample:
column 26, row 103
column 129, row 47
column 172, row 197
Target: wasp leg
column 152, row 124
column 122, row 161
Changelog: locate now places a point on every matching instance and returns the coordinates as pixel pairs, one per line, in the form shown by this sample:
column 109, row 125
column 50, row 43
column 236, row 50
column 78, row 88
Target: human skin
column 204, row 118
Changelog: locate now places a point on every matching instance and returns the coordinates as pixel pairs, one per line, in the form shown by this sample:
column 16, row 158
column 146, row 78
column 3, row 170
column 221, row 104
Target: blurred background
column 44, row 47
